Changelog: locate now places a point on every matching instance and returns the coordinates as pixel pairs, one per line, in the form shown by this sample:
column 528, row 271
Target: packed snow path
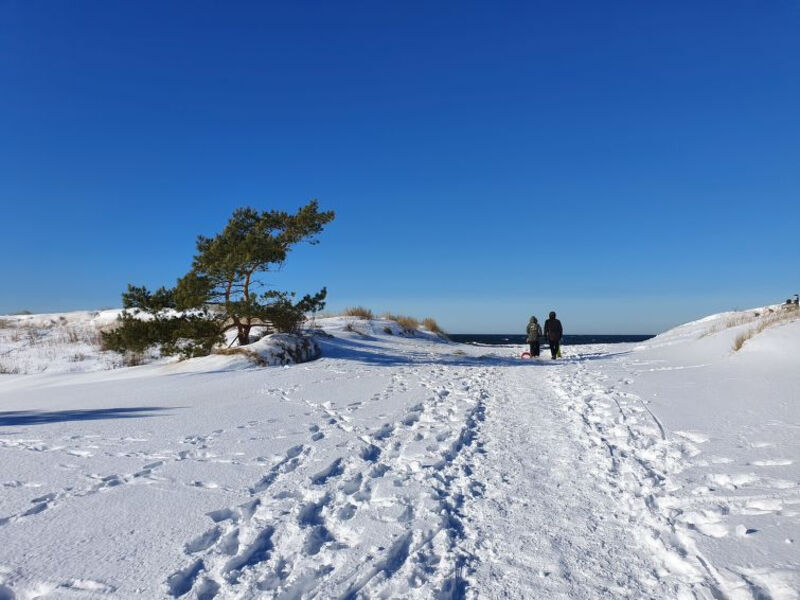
column 390, row 468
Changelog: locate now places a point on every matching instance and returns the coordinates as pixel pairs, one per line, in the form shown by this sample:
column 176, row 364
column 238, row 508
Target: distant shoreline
column 574, row 340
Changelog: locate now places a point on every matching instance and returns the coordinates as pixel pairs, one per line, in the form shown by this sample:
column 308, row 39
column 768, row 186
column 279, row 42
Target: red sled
column 525, row 355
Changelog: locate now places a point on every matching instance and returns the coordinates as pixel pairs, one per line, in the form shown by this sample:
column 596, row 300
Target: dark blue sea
column 569, row 340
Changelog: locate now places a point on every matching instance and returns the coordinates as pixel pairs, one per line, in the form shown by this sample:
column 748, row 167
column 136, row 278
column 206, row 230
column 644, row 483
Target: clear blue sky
column 630, row 164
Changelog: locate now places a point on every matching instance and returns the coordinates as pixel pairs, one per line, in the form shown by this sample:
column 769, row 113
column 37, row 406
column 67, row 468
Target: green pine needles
column 221, row 291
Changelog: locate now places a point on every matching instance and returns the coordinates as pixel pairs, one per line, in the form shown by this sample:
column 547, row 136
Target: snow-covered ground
column 401, row 466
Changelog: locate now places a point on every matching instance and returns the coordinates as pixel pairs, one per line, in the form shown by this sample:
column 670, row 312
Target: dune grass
column 769, row 319
column 359, row 312
column 431, row 325
column 408, row 324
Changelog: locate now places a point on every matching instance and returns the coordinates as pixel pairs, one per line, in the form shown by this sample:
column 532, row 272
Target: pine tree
column 220, row 292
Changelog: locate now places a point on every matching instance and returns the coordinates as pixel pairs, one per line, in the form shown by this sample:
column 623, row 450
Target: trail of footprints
column 639, row 464
column 285, row 541
column 98, row 483
column 199, row 449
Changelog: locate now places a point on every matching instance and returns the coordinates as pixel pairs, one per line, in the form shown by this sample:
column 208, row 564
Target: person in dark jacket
column 553, row 332
column 534, row 331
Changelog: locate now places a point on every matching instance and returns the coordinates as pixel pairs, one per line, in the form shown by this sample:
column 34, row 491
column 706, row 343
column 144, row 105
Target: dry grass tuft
column 431, row 325
column 734, row 321
column 740, row 340
column 250, row 354
column 788, row 312
column 409, row 324
column 133, row 359
column 359, row 312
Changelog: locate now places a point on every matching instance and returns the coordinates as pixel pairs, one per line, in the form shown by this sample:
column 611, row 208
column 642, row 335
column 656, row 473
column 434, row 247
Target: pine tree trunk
column 243, row 335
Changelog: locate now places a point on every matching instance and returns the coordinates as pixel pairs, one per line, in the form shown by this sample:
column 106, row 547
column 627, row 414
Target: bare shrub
column 132, row 359
column 8, row 369
column 350, row 326
column 32, row 335
column 359, row 312
column 93, row 338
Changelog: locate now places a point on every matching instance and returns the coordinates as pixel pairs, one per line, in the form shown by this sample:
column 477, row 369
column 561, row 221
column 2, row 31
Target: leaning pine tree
column 221, row 291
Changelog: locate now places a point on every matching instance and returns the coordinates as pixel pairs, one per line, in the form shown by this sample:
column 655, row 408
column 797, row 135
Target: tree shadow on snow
column 40, row 417
column 367, row 353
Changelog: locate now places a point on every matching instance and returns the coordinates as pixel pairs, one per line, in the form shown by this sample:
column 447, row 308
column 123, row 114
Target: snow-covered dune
column 56, row 343
column 71, row 343
column 734, row 418
column 399, row 465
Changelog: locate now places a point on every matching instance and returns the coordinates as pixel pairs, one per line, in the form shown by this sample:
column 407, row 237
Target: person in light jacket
column 534, row 331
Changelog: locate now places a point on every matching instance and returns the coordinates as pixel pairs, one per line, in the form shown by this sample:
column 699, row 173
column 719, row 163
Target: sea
column 493, row 339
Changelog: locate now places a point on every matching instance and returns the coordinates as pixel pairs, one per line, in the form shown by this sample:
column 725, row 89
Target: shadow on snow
column 39, row 417
column 369, row 353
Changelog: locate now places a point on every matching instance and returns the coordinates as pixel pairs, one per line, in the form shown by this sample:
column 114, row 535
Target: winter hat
column 552, row 314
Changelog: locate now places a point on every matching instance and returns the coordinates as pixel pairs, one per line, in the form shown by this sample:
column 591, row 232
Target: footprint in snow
column 87, row 585
column 209, row 485
column 80, row 453
column 743, row 531
column 332, row 470
column 182, row 581
column 775, row 462
column 694, row 436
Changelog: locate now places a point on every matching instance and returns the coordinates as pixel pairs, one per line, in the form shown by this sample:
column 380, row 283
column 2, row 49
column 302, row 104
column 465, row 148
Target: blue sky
column 630, row 164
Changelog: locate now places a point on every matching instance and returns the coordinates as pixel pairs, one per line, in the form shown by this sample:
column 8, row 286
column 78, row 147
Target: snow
column 56, row 343
column 399, row 465
column 70, row 343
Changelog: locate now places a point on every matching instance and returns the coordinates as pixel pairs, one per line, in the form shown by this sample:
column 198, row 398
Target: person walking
column 553, row 332
column 534, row 331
